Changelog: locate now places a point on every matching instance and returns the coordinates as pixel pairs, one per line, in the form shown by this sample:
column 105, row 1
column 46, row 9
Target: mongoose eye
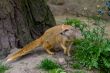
column 62, row 33
column 66, row 30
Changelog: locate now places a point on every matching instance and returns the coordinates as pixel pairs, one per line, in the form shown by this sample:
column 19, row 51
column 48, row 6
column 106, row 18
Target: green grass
column 76, row 66
column 93, row 51
column 3, row 68
column 48, row 64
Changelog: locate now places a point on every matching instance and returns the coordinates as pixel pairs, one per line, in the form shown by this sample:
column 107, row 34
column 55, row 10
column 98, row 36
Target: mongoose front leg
column 64, row 48
column 69, row 48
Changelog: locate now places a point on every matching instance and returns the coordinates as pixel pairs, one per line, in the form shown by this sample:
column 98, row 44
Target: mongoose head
column 71, row 32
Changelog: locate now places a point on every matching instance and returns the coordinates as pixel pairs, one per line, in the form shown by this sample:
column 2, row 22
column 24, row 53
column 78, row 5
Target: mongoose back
column 61, row 35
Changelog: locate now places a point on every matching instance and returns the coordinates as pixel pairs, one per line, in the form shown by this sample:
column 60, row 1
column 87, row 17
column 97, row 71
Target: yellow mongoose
column 61, row 35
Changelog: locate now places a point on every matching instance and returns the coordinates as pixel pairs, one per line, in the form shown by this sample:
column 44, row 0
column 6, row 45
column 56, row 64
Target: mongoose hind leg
column 47, row 47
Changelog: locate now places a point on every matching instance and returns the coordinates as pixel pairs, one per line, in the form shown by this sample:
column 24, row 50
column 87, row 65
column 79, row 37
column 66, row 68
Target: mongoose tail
column 26, row 49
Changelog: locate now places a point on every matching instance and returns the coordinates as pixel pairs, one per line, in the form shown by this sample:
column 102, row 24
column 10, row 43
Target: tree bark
column 22, row 21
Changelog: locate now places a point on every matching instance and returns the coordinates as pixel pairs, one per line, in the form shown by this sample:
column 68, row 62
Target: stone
column 62, row 61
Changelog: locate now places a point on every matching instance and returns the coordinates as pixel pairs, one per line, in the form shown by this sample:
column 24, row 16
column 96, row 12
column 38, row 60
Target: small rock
column 61, row 61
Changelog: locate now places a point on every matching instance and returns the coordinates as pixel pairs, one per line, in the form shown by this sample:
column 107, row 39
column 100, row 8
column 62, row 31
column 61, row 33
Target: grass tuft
column 3, row 68
column 93, row 51
column 48, row 64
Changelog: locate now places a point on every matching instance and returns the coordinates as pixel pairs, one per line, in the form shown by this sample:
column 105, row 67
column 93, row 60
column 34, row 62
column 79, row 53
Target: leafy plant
column 93, row 47
column 3, row 68
column 76, row 66
column 93, row 51
column 48, row 64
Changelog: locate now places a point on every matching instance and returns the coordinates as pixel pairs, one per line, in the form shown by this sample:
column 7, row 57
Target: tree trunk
column 21, row 21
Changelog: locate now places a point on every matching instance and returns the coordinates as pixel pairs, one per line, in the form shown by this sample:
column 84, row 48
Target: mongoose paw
column 51, row 53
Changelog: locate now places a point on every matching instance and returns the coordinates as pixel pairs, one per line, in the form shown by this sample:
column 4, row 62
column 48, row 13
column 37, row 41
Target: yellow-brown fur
column 61, row 35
